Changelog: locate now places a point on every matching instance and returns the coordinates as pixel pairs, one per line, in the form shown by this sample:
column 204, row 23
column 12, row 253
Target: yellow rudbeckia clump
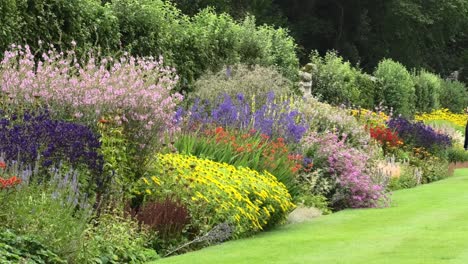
column 443, row 114
column 217, row 192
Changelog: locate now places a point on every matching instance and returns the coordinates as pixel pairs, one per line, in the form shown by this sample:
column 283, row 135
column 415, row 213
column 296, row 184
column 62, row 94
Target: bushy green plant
column 369, row 92
column 457, row 154
column 397, row 86
column 60, row 22
column 114, row 239
column 409, row 177
column 334, row 80
column 204, row 42
column 427, row 90
column 25, row 249
column 54, row 212
column 243, row 79
column 454, row 96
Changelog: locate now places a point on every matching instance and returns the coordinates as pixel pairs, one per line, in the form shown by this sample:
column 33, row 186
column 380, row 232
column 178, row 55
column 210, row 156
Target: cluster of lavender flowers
column 418, row 134
column 345, row 165
column 270, row 118
column 34, row 135
column 63, row 186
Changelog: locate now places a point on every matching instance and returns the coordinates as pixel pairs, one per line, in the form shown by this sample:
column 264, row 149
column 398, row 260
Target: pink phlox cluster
column 349, row 166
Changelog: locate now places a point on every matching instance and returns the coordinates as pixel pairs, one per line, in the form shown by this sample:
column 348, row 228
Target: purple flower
column 274, row 120
column 418, row 134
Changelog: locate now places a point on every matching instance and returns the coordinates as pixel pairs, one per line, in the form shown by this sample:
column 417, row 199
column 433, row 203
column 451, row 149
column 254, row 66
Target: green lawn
column 428, row 224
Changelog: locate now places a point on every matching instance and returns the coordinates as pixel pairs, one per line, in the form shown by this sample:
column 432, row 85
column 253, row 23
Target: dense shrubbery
column 427, row 90
column 397, row 87
column 334, row 80
column 206, row 41
column 454, row 96
column 242, row 79
column 25, row 249
column 337, row 82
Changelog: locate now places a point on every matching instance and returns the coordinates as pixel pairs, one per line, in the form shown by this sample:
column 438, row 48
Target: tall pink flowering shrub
column 129, row 90
column 347, row 168
column 132, row 97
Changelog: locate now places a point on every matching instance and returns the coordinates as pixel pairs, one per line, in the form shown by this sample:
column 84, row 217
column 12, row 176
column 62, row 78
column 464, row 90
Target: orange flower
column 103, row 121
column 2, row 165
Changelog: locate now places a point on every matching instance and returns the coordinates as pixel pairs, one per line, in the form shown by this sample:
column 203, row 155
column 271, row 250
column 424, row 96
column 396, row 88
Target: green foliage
column 457, row 154
column 42, row 212
column 113, row 239
column 58, row 22
column 25, row 249
column 369, row 93
column 334, row 80
column 427, row 90
column 205, row 42
column 248, row 80
column 454, row 96
column 407, row 179
column 397, row 86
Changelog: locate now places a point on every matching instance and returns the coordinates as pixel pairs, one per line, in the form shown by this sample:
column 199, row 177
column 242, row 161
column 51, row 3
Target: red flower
column 2, row 165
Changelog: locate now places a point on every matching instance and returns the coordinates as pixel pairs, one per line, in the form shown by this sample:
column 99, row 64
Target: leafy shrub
column 454, row 96
column 218, row 193
column 369, row 91
column 427, row 90
column 409, row 177
column 457, row 154
column 270, row 118
column 434, row 169
column 397, row 86
column 345, row 168
column 204, row 42
column 60, row 22
column 25, row 249
column 114, row 239
column 250, row 81
column 323, row 117
column 334, row 81
column 54, row 212
column 249, row 150
column 419, row 135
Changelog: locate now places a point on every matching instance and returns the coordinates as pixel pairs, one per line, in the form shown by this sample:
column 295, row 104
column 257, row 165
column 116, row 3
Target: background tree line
column 418, row 33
